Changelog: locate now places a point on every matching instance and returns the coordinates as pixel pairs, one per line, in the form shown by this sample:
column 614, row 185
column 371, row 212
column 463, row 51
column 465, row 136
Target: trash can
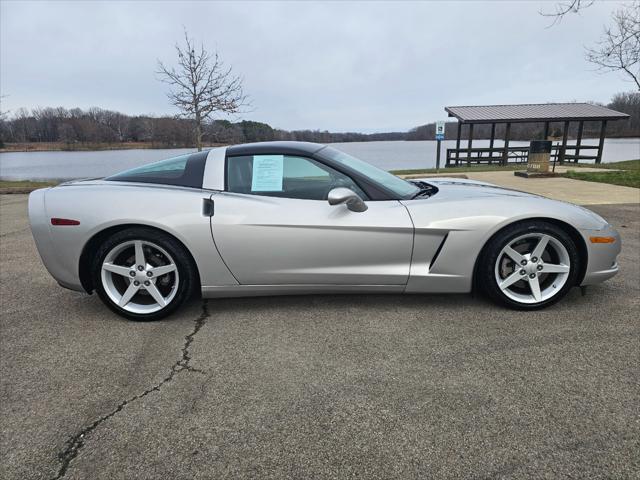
column 539, row 155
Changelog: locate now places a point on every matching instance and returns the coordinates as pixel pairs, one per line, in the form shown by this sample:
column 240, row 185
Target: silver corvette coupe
column 281, row 218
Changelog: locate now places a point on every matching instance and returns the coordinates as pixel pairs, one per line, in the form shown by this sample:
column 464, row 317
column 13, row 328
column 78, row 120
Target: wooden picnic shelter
column 546, row 114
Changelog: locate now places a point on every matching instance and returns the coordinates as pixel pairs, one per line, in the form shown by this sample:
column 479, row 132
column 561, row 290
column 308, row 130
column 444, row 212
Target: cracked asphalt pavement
column 366, row 386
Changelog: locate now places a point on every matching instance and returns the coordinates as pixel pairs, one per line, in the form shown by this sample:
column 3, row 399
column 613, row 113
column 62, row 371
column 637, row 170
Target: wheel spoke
column 117, row 269
column 515, row 256
column 155, row 293
column 540, row 247
column 535, row 289
column 139, row 253
column 128, row 294
column 510, row 280
column 131, row 285
column 163, row 270
column 551, row 268
column 530, row 250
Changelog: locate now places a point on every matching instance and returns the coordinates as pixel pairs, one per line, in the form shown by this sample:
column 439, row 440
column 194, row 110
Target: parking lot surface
column 364, row 386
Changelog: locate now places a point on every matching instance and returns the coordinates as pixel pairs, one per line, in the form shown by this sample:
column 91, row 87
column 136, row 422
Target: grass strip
column 625, row 178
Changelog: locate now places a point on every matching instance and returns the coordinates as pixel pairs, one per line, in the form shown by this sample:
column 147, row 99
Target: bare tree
column 618, row 50
column 3, row 113
column 563, row 8
column 4, row 126
column 201, row 85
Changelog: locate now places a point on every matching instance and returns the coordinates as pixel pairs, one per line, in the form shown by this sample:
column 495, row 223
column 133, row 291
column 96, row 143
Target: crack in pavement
column 76, row 442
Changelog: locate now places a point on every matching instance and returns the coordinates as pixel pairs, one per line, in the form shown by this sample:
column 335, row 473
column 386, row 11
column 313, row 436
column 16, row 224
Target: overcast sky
column 361, row 66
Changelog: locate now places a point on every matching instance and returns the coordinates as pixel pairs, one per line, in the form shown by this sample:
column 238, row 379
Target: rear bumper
column 602, row 263
column 51, row 258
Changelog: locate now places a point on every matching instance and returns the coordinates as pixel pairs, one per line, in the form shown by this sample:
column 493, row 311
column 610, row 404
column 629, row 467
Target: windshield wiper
column 426, row 190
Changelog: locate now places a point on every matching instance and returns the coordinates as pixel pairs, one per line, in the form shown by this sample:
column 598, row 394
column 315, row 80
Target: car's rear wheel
column 143, row 274
column 529, row 265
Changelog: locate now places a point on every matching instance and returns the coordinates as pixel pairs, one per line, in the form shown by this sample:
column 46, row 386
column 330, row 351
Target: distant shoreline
column 101, row 146
column 89, row 147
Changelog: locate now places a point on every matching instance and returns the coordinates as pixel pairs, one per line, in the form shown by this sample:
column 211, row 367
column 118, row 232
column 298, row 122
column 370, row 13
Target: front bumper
column 602, row 257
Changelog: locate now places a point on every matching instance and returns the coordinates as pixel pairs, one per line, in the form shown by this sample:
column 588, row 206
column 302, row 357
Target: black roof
column 533, row 112
column 288, row 148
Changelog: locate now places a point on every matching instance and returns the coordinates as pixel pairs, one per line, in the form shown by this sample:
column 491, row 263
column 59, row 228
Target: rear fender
column 99, row 208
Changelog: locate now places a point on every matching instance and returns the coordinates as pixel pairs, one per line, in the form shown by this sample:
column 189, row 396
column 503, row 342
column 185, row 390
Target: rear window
column 185, row 171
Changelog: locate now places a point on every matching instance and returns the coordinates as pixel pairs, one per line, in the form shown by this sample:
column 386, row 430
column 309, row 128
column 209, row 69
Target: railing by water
column 502, row 156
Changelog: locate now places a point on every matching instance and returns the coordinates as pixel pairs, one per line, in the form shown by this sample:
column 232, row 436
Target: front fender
column 468, row 223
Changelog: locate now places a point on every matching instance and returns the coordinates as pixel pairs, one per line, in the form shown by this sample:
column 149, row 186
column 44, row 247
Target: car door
column 274, row 226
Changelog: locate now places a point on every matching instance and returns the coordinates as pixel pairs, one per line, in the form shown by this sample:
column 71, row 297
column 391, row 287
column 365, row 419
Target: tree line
column 99, row 126
column 96, row 125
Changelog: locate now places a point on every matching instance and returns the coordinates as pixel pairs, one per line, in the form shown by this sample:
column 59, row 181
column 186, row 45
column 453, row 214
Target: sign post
column 439, row 138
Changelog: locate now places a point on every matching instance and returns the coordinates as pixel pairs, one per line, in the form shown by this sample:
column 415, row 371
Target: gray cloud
column 331, row 65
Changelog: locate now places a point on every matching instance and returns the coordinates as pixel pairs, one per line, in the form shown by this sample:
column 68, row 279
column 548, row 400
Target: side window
column 185, row 171
column 285, row 176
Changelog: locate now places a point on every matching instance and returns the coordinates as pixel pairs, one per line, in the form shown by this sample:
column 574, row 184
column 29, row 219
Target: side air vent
column 435, row 257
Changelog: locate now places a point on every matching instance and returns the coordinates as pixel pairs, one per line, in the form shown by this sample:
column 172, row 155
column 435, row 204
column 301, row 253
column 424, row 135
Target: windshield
column 398, row 186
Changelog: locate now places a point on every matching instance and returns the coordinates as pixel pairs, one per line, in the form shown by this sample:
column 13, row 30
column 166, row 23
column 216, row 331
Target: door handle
column 207, row 207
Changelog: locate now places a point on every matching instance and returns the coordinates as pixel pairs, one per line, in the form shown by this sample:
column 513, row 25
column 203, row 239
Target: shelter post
column 505, row 151
column 469, row 142
column 603, row 130
column 579, row 140
column 493, row 137
column 458, row 142
column 563, row 147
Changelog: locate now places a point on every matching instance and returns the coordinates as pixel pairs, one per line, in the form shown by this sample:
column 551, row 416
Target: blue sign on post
column 439, row 138
column 440, row 130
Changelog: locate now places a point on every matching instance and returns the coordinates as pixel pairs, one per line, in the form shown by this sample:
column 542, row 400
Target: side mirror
column 341, row 195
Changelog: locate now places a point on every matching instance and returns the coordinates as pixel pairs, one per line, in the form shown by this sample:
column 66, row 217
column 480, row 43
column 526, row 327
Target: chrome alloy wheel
column 532, row 268
column 139, row 276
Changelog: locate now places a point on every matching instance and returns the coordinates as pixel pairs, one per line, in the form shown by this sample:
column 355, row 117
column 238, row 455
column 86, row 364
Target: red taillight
column 64, row 221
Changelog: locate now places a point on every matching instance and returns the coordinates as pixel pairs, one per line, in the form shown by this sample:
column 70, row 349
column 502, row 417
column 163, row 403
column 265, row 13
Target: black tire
column 187, row 271
column 486, row 272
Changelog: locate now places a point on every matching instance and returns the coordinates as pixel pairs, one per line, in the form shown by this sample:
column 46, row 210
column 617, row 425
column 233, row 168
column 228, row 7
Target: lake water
column 388, row 155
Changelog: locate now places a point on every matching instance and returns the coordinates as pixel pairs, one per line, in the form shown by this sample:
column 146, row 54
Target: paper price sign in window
column 268, row 171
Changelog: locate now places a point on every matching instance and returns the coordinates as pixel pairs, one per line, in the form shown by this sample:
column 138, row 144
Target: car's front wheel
column 529, row 265
column 143, row 274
